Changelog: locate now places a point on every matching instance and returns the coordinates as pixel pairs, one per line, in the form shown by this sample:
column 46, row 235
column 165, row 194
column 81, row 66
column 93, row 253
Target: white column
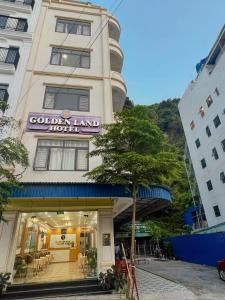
column 106, row 254
column 8, row 236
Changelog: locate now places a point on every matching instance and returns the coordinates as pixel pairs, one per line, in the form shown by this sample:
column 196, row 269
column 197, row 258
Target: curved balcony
column 119, row 91
column 114, row 29
column 116, row 56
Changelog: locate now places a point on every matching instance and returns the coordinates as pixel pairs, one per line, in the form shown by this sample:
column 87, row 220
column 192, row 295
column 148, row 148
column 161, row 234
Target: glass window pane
column 79, row 29
column 41, row 159
column 55, row 60
column 3, row 21
column 49, row 100
column 60, row 27
column 68, row 159
column 79, row 144
column 66, row 101
column 21, row 25
column 50, row 143
column 55, row 158
column 84, row 103
column 82, row 160
column 70, row 27
column 85, row 61
column 86, row 30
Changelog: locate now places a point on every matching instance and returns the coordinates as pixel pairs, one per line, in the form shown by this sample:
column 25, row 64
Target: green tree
column 12, row 154
column 134, row 153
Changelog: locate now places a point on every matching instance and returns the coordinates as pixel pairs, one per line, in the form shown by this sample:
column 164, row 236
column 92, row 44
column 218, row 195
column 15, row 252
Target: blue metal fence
column 200, row 248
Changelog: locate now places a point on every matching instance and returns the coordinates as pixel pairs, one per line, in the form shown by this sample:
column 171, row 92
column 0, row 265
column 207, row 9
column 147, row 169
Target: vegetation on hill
column 166, row 115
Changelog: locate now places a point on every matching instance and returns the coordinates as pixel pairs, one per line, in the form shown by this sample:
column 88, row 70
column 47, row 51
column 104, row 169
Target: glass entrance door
column 56, row 246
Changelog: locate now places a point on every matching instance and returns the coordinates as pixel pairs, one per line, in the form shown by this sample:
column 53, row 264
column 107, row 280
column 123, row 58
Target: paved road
column 202, row 281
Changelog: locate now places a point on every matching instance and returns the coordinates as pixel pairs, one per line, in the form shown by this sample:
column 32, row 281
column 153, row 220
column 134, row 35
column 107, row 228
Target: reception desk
column 64, row 255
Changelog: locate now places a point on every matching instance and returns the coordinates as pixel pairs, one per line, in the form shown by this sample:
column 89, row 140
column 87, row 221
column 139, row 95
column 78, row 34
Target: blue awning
column 82, row 190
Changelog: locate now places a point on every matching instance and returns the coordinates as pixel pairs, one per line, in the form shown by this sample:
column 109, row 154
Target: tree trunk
column 132, row 255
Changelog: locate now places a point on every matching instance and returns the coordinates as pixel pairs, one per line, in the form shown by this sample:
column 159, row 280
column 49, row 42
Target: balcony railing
column 14, row 24
column 4, row 95
column 9, row 56
column 23, row 2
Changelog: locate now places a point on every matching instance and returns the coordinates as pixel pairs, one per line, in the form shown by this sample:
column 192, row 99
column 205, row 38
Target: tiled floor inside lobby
column 62, row 271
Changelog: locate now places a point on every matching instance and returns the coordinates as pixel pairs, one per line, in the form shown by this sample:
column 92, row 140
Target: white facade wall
column 194, row 97
column 99, row 79
column 23, row 40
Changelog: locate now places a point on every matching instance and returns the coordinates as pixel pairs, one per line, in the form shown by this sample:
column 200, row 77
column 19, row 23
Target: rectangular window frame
column 75, row 89
column 223, row 144
column 209, row 185
column 74, row 23
column 215, row 153
column 80, row 53
column 197, row 143
column 203, row 163
column 208, row 131
column 49, row 151
column 217, row 211
column 217, row 121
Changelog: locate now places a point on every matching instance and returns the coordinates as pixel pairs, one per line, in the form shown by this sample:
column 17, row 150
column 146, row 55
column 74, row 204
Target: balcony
column 21, row 2
column 116, row 58
column 114, row 29
column 13, row 24
column 9, row 58
column 119, row 91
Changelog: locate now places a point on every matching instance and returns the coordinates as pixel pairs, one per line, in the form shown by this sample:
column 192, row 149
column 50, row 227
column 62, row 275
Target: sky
column 162, row 41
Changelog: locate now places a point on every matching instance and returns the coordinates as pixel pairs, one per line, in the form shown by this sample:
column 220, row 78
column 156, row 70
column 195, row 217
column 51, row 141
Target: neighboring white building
column 202, row 111
column 18, row 21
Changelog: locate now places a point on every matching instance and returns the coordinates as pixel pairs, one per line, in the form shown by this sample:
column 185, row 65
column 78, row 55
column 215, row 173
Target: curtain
column 55, row 159
column 82, row 160
column 68, row 159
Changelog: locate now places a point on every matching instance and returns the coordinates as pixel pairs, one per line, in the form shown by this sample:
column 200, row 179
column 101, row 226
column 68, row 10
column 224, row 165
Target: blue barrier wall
column 200, row 248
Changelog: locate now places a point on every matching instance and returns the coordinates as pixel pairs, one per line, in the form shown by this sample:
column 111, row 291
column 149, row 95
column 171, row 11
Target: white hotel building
column 72, row 85
column 202, row 111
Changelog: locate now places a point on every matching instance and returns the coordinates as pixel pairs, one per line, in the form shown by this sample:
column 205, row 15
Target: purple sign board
column 63, row 123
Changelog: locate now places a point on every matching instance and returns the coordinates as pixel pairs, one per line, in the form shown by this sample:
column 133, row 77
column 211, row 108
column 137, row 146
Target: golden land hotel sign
column 63, row 123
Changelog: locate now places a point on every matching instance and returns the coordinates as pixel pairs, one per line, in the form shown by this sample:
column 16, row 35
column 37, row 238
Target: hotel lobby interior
column 56, row 246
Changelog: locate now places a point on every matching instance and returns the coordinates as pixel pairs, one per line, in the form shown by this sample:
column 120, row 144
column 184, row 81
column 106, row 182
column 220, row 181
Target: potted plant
column 4, row 281
column 92, row 261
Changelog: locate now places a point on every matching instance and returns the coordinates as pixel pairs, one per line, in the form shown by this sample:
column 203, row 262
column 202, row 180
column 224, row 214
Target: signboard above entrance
column 63, row 123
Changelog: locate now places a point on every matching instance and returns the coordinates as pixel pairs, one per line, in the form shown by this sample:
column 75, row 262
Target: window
column 209, row 101
column 61, row 155
column 192, row 125
column 217, row 211
column 11, row 23
column 197, row 143
column 73, row 27
column 208, row 131
column 223, row 145
column 66, row 98
column 217, row 92
column 70, row 58
column 201, row 111
column 222, row 177
column 215, row 154
column 203, row 163
column 3, row 92
column 216, row 121
column 209, row 185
